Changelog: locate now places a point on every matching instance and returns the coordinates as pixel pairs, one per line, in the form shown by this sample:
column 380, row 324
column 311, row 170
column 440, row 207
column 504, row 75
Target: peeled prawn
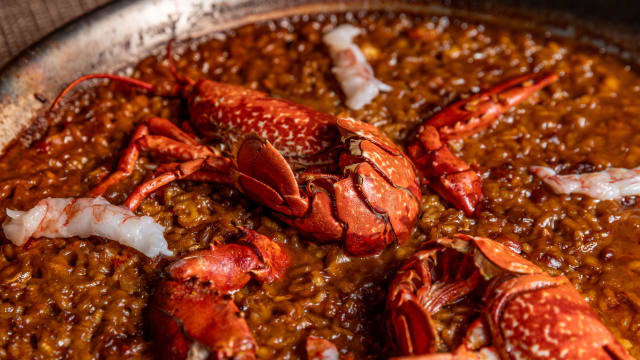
column 84, row 217
column 354, row 73
column 609, row 184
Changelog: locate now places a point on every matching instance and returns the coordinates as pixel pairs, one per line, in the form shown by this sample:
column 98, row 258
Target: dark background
column 23, row 22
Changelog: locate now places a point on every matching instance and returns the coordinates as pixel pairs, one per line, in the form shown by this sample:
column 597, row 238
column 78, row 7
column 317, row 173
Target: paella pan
column 336, row 183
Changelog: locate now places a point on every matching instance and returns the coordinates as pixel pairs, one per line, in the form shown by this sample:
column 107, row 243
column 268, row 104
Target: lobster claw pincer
column 467, row 116
column 448, row 175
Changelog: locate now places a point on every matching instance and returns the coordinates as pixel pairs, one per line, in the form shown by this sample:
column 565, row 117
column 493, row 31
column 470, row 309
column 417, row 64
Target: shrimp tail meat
column 351, row 68
column 84, row 217
column 609, row 184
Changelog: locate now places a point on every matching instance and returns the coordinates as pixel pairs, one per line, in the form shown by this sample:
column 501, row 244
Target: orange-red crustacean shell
column 526, row 313
column 334, row 178
column 192, row 315
column 449, row 176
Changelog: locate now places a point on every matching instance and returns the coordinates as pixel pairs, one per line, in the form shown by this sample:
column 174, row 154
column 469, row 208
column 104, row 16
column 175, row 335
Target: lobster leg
column 143, row 190
column 126, row 164
column 449, row 176
column 448, row 293
column 211, row 176
column 130, row 156
column 179, row 150
column 178, row 143
column 165, row 127
column 211, row 169
column 205, row 174
column 173, row 142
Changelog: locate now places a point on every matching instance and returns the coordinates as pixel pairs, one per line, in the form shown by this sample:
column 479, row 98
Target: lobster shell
column 525, row 313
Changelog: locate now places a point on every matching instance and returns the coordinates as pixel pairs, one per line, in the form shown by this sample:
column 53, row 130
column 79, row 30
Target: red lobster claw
column 266, row 177
column 449, row 176
column 467, row 116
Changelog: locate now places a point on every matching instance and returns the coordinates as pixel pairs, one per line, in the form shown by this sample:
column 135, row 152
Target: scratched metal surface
column 22, row 22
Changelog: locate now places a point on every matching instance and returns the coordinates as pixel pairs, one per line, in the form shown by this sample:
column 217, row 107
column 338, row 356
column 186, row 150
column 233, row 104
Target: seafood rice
column 77, row 297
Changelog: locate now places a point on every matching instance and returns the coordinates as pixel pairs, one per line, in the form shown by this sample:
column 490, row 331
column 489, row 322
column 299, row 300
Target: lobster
column 334, row 178
column 525, row 313
column 191, row 314
column 449, row 176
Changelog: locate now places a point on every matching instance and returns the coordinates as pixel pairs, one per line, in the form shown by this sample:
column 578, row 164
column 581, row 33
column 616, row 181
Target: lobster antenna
column 173, row 69
column 123, row 79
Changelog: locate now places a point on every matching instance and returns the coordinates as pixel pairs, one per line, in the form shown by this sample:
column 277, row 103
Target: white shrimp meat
column 351, row 68
column 84, row 217
column 609, row 184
